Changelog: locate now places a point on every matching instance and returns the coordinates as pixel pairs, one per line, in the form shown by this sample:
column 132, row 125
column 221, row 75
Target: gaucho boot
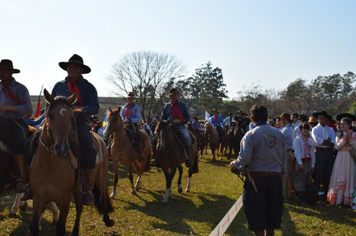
column 188, row 151
column 269, row 232
column 88, row 186
column 20, row 183
column 28, row 194
column 302, row 198
column 140, row 156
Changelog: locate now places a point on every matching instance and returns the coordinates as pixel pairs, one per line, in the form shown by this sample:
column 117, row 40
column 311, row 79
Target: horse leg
column 133, row 190
column 180, row 170
column 61, row 226
column 169, row 177
column 55, row 213
column 16, row 205
column 116, row 168
column 79, row 210
column 38, row 208
column 139, row 169
column 213, row 152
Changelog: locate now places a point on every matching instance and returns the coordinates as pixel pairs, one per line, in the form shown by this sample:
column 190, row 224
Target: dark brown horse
column 171, row 156
column 123, row 151
column 213, row 138
column 54, row 175
column 234, row 136
column 200, row 137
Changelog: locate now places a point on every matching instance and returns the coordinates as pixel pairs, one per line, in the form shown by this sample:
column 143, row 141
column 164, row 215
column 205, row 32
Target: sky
column 269, row 43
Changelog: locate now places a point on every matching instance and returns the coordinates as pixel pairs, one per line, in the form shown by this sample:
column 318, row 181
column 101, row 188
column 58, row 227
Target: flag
column 353, row 112
column 104, row 120
column 152, row 116
column 37, row 111
column 207, row 115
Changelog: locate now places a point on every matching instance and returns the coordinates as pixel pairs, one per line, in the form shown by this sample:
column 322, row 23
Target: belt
column 256, row 174
column 289, row 150
column 305, row 160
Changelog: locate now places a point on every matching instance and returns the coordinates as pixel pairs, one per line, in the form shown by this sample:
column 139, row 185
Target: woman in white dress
column 342, row 181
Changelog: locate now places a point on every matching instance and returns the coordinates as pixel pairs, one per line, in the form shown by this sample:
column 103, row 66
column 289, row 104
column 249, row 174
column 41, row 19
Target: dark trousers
column 138, row 132
column 87, row 152
column 19, row 135
column 264, row 209
column 221, row 132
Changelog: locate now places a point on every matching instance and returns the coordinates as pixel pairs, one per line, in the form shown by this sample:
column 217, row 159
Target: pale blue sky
column 274, row 42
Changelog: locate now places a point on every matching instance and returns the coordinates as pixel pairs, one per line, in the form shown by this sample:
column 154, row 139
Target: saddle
column 131, row 132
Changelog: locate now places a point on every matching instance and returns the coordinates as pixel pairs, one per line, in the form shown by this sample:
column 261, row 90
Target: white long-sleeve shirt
column 321, row 133
column 298, row 145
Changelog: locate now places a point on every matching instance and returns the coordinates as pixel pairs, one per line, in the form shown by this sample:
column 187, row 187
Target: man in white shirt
column 324, row 138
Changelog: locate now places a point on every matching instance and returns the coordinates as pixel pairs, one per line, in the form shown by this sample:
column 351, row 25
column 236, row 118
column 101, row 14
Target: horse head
column 58, row 123
column 113, row 120
column 164, row 135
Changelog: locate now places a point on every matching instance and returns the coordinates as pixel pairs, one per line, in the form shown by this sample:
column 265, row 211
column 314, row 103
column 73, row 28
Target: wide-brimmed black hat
column 7, row 64
column 340, row 116
column 215, row 109
column 131, row 95
column 173, row 91
column 75, row 59
column 324, row 113
column 303, row 117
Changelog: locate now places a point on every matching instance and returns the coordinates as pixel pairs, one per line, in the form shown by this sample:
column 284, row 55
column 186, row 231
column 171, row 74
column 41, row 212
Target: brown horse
column 213, row 138
column 170, row 156
column 54, row 175
column 123, row 151
column 200, row 137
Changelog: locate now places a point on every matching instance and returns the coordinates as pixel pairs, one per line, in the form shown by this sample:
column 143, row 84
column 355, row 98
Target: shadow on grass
column 175, row 216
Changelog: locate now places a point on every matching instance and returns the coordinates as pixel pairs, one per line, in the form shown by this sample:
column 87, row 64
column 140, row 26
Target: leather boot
column 20, row 183
column 188, row 152
column 140, row 156
column 28, row 194
column 88, row 186
column 259, row 233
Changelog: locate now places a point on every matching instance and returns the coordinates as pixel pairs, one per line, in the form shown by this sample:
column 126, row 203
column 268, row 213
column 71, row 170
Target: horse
column 123, row 151
column 170, row 155
column 234, row 135
column 54, row 174
column 213, row 138
column 200, row 137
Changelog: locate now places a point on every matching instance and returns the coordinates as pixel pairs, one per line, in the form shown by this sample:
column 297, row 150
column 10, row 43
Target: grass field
column 214, row 190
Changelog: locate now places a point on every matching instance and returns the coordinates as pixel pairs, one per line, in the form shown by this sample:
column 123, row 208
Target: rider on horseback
column 15, row 104
column 89, row 103
column 217, row 121
column 179, row 114
column 131, row 115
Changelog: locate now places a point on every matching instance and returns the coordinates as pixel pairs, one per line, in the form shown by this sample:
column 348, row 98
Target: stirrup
column 92, row 196
column 28, row 195
column 20, row 181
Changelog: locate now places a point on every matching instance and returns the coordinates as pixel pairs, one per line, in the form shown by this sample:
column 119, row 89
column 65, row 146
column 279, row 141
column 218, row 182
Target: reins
column 114, row 130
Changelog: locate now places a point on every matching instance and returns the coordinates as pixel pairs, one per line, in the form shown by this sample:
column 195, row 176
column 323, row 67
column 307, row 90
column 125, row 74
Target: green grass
column 214, row 190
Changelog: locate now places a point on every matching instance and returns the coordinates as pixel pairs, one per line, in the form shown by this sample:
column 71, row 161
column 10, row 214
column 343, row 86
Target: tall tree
column 149, row 75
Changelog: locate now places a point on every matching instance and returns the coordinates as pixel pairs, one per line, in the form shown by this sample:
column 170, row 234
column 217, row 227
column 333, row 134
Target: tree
column 149, row 75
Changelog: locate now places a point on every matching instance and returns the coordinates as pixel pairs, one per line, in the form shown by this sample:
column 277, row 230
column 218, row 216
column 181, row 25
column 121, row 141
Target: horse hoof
column 138, row 188
column 165, row 201
column 11, row 214
column 180, row 189
column 187, row 190
column 133, row 192
column 110, row 223
column 112, row 197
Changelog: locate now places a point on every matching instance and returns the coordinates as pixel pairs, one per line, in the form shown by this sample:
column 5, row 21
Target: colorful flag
column 37, row 111
column 104, row 120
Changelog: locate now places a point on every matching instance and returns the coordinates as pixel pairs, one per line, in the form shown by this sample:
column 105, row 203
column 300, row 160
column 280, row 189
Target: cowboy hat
column 340, row 116
column 284, row 116
column 240, row 111
column 302, row 117
column 7, row 64
column 215, row 110
column 312, row 120
column 323, row 113
column 173, row 91
column 131, row 95
column 75, row 59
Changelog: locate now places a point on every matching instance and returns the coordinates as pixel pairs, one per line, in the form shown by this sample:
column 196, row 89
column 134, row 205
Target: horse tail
column 102, row 205
column 148, row 162
column 195, row 165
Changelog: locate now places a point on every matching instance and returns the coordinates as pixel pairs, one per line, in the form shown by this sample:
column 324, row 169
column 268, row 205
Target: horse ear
column 73, row 98
column 48, row 96
column 119, row 109
column 111, row 111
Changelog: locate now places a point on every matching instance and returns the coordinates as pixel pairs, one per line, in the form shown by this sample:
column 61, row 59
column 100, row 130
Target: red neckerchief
column 195, row 124
column 306, row 147
column 176, row 112
column 73, row 88
column 9, row 94
column 128, row 110
column 216, row 119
